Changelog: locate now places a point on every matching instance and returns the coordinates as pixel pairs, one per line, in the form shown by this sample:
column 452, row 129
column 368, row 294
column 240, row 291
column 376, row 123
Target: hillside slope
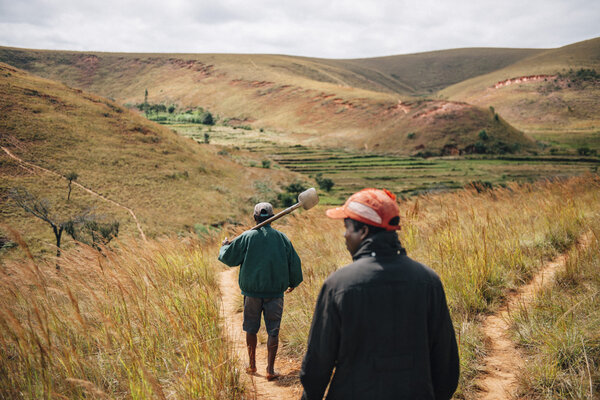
column 541, row 92
column 429, row 72
column 171, row 183
column 318, row 102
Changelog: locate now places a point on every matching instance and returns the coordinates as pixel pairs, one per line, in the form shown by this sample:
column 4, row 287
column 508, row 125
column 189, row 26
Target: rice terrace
column 123, row 173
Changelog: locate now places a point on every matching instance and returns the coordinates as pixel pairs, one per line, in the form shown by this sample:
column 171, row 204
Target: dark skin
column 354, row 237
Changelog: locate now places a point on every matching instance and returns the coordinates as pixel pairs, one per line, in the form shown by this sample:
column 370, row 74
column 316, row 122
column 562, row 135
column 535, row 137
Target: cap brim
column 336, row 213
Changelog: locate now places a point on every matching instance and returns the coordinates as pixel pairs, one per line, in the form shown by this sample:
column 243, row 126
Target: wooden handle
column 273, row 218
column 278, row 215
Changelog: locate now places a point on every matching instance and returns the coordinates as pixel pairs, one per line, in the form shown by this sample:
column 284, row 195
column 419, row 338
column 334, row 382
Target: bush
column 480, row 148
column 585, row 151
column 411, row 135
column 324, row 183
column 207, row 119
column 290, row 196
column 483, row 135
column 266, row 163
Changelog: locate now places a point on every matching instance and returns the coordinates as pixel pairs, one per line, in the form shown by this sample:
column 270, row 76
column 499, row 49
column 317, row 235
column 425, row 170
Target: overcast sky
column 319, row 28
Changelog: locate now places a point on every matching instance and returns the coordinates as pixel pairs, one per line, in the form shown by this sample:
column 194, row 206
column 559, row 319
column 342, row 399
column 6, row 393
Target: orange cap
column 372, row 206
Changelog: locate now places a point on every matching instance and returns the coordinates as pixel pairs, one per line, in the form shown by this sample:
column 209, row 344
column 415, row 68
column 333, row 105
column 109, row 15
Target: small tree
column 207, row 118
column 266, row 163
column 483, row 135
column 41, row 209
column 324, row 183
column 71, row 176
column 206, row 137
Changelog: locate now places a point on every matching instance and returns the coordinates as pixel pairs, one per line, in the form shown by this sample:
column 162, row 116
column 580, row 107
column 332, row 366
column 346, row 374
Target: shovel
column 307, row 200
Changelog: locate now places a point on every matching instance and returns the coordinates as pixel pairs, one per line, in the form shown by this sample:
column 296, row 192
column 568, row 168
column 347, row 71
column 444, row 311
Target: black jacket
column 382, row 322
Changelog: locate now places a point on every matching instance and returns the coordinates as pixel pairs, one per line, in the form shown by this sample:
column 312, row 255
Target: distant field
column 405, row 176
column 569, row 140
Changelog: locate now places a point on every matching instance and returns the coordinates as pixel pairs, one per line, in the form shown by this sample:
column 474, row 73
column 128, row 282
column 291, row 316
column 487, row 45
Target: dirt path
column 288, row 386
column 504, row 361
column 33, row 167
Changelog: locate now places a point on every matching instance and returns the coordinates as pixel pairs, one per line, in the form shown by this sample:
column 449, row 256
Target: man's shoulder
column 276, row 233
column 367, row 269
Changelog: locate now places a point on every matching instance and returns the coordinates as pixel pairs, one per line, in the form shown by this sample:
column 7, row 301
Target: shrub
column 480, row 147
column 411, row 135
column 324, row 183
column 585, row 151
column 483, row 135
column 266, row 163
column 290, row 196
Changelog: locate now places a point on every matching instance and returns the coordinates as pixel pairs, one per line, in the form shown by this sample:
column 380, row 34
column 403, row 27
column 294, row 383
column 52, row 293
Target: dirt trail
column 25, row 164
column 288, row 386
column 504, row 361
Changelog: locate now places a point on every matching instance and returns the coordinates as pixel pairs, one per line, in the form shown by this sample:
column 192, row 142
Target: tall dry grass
column 140, row 322
column 481, row 245
column 560, row 331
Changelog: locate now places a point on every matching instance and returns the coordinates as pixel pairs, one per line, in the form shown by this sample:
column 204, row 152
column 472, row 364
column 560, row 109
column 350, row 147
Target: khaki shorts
column 272, row 309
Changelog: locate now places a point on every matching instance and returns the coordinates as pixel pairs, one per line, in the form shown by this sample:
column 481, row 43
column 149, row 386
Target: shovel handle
column 273, row 218
column 278, row 215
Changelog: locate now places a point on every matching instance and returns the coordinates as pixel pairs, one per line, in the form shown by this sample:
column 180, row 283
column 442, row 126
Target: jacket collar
column 382, row 244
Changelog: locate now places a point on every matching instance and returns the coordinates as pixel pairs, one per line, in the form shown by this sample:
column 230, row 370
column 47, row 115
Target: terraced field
column 405, row 176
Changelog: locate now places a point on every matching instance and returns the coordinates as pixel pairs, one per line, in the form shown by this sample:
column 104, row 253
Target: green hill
column 172, row 184
column 322, row 102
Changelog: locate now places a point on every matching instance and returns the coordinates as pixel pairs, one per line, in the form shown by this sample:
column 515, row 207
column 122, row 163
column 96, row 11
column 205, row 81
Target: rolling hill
column 334, row 103
column 542, row 92
column 172, row 184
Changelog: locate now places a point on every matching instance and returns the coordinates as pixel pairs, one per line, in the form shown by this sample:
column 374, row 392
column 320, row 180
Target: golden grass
column 143, row 320
column 559, row 331
column 140, row 322
column 170, row 182
column 481, row 245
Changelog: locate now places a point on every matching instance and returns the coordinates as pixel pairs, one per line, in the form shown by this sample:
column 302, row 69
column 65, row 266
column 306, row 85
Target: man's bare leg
column 272, row 345
column 251, row 345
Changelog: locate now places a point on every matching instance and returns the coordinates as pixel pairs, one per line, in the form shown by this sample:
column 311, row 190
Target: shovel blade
column 308, row 199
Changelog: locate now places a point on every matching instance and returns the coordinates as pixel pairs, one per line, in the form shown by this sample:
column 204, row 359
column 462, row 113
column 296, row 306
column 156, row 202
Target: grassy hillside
column 426, row 73
column 557, row 101
column 320, row 102
column 172, row 184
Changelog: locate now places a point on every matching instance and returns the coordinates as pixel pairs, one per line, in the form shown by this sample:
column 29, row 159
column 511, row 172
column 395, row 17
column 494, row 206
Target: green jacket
column 269, row 263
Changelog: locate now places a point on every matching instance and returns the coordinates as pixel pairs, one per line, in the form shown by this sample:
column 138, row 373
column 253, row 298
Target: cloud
column 335, row 29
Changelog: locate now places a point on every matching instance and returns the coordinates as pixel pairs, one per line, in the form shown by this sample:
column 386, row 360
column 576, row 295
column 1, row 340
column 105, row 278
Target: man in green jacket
column 269, row 266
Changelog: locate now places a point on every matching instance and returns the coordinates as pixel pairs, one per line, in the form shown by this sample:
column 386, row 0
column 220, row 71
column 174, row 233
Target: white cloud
column 336, row 29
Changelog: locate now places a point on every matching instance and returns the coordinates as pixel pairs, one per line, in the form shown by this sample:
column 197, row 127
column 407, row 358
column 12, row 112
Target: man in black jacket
column 381, row 322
